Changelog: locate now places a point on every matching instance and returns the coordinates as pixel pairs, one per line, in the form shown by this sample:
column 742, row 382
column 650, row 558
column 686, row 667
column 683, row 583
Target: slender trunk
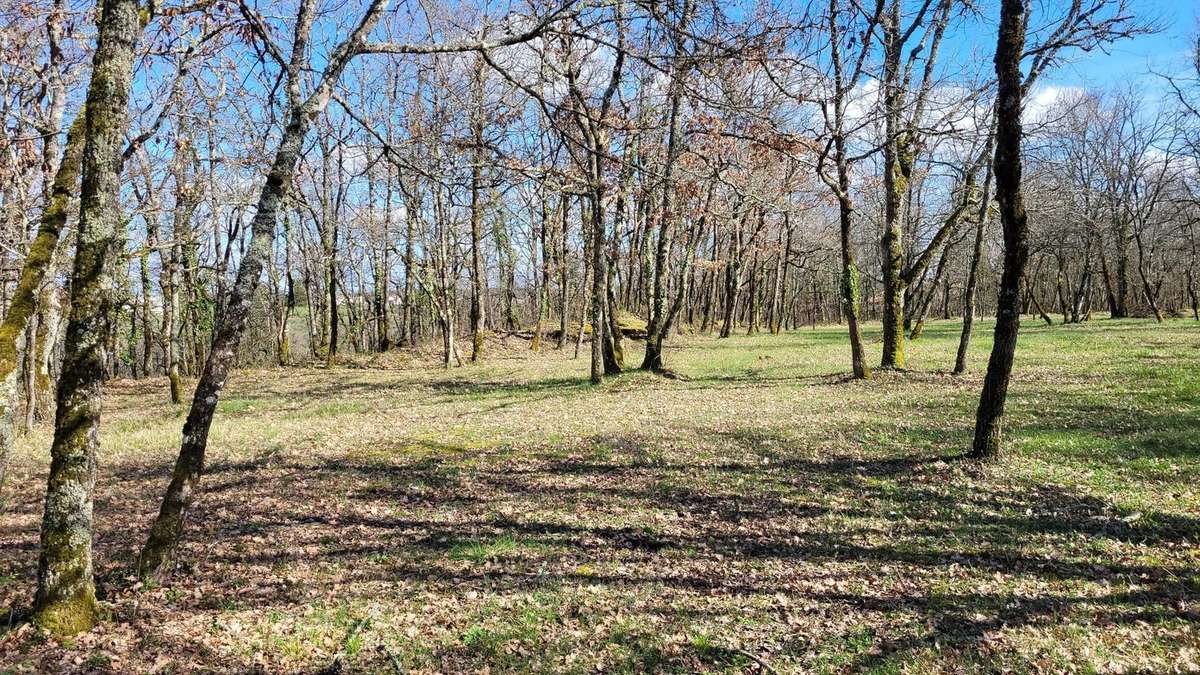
column 895, row 187
column 164, row 535
column 964, row 340
column 656, row 325
column 733, row 278
column 1121, row 309
column 923, row 304
column 851, row 287
column 1037, row 304
column 506, row 262
column 408, row 317
column 186, row 199
column 1060, row 292
column 381, row 271
column 1149, row 290
column 331, row 284
column 563, row 290
column 599, row 281
column 752, row 307
column 1110, row 293
column 149, row 338
column 33, row 273
column 49, row 326
column 542, row 279
column 1191, row 290
column 31, row 359
column 478, row 282
column 170, row 316
column 614, row 349
column 1009, row 50
column 773, row 317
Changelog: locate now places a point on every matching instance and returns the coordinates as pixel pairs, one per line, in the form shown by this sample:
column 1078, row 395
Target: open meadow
column 759, row 513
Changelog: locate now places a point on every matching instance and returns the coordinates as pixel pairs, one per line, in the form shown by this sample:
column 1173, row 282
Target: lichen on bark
column 66, row 600
column 33, row 273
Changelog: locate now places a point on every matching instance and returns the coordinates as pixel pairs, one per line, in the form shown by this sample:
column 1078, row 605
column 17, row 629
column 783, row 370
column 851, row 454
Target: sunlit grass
column 509, row 515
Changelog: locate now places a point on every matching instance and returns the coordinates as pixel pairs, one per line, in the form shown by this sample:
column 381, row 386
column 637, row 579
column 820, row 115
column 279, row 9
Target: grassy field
column 761, row 513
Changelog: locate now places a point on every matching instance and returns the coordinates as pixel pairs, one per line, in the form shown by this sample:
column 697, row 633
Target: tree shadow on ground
column 747, row 517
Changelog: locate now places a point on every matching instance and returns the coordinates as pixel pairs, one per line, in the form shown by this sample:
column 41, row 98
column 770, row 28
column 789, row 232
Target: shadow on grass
column 755, row 516
column 402, row 522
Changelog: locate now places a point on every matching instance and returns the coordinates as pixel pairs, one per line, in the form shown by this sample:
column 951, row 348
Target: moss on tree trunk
column 33, row 273
column 65, row 602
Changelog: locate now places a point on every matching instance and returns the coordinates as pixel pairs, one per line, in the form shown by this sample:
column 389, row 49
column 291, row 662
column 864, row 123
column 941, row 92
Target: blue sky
column 1133, row 61
column 1129, row 61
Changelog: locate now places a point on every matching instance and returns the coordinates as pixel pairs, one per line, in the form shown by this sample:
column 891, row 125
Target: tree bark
column 656, row 326
column 37, row 263
column 478, row 282
column 65, row 602
column 164, row 534
column 564, row 292
column 599, row 282
column 1010, row 47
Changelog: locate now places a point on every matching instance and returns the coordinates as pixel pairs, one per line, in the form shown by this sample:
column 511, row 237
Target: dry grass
column 761, row 511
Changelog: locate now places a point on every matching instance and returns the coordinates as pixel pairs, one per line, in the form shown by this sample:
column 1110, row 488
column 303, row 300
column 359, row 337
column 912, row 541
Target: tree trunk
column 895, row 187
column 773, row 317
column 33, row 273
column 381, row 272
column 31, row 359
column 478, row 281
column 656, row 325
column 49, row 326
column 927, row 299
column 964, row 340
column 563, row 290
column 65, row 602
column 408, row 318
column 164, row 535
column 542, row 279
column 599, row 281
column 1191, row 290
column 1009, row 50
column 851, row 288
column 733, row 278
column 1121, row 309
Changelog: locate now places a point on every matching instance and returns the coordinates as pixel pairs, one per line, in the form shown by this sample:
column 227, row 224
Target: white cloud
column 1047, row 98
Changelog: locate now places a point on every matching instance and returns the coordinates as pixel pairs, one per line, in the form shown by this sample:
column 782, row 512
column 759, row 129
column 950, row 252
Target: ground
column 759, row 513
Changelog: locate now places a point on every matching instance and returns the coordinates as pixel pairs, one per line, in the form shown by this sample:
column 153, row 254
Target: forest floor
column 761, row 513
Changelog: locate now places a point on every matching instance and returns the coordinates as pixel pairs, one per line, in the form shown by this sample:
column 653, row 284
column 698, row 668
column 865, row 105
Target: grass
column 485, row 551
column 763, row 509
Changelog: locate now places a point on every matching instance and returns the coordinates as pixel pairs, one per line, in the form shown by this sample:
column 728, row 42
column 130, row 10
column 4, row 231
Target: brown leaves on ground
column 758, row 513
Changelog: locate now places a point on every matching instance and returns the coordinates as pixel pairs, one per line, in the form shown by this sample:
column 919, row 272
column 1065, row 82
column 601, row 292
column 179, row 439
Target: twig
column 766, row 667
